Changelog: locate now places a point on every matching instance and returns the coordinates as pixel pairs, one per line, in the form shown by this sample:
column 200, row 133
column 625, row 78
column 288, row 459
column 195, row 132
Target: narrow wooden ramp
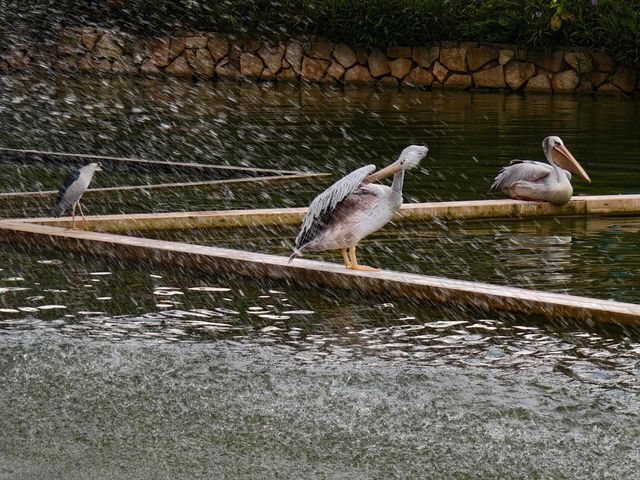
column 204, row 184
column 308, row 272
column 260, row 176
column 584, row 206
column 76, row 157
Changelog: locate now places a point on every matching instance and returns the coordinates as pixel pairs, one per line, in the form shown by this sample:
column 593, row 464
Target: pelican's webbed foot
column 354, row 262
column 364, row 268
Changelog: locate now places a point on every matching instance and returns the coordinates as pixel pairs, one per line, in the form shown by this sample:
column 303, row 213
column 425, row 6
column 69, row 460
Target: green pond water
column 115, row 370
column 310, row 129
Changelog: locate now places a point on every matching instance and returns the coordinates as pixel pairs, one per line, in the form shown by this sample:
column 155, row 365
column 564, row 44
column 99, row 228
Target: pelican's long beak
column 563, row 158
column 384, row 173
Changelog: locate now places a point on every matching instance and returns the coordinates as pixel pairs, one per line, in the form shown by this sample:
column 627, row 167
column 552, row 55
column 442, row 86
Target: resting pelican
column 529, row 180
column 354, row 207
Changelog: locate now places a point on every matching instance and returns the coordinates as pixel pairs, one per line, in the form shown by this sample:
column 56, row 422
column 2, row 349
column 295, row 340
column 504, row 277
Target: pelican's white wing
column 324, row 205
column 526, row 170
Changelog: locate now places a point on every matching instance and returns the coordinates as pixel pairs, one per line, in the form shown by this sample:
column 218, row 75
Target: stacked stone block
column 449, row 65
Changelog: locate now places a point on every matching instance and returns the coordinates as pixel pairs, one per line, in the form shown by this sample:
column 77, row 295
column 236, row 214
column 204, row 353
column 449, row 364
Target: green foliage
column 618, row 29
column 611, row 24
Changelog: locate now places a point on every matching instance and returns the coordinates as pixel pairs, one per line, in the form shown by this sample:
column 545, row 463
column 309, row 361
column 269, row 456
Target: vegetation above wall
column 610, row 24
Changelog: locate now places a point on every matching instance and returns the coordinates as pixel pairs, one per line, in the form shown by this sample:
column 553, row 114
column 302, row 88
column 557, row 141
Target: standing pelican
column 529, row 180
column 354, row 207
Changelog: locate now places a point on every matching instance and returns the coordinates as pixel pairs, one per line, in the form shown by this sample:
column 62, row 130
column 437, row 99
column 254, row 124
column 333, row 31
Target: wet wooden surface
column 597, row 205
column 420, row 288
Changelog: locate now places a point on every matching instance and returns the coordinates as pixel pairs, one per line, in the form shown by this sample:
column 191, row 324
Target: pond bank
column 450, row 65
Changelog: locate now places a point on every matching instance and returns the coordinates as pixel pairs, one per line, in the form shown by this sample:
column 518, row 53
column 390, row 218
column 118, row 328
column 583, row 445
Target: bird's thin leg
column 84, row 220
column 345, row 256
column 73, row 216
column 354, row 262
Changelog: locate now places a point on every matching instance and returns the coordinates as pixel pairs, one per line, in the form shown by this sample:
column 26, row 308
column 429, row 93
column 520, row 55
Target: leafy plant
column 560, row 13
column 539, row 24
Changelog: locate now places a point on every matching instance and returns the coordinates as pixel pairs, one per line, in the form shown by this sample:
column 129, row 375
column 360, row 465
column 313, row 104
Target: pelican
column 354, row 207
column 529, row 180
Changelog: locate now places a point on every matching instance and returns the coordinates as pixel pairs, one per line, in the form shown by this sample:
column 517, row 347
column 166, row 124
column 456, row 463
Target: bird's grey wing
column 540, row 164
column 324, row 205
column 350, row 209
column 518, row 170
column 61, row 204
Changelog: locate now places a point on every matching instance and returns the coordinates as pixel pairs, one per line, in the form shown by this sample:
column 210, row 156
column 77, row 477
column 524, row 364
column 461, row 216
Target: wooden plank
column 182, row 220
column 208, row 184
column 312, row 273
column 18, row 153
column 618, row 204
column 503, row 208
column 467, row 210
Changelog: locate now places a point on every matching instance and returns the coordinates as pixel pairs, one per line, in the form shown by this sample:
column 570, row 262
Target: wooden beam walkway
column 308, row 272
column 583, row 206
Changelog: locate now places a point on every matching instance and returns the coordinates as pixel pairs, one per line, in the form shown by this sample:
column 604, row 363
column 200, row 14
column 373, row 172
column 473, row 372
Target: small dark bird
column 70, row 193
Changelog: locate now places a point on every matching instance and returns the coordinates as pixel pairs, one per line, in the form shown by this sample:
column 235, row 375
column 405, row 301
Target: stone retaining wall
column 450, row 65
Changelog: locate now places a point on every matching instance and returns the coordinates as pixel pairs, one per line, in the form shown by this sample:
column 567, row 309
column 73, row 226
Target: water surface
column 119, row 370
column 310, row 128
column 115, row 370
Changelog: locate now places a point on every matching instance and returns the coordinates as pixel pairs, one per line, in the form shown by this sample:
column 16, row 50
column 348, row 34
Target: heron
column 354, row 207
column 530, row 180
column 71, row 192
